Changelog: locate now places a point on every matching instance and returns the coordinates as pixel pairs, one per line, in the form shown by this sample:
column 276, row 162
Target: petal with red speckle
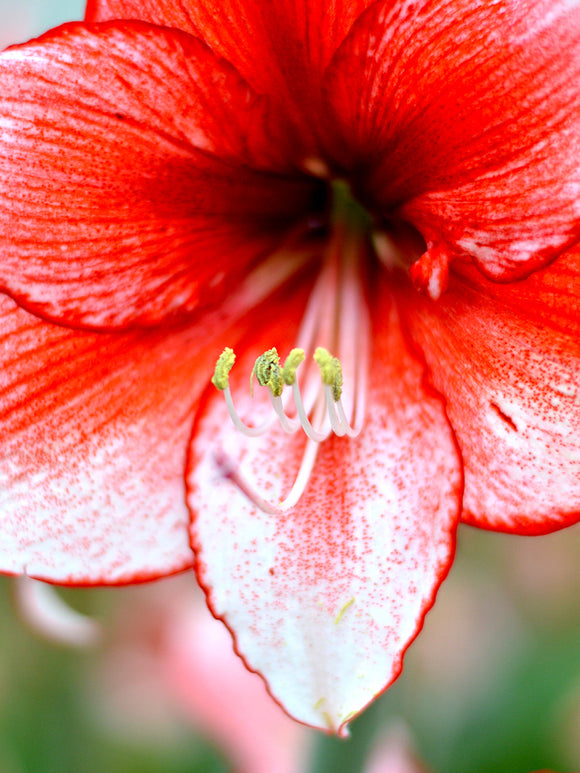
column 278, row 46
column 507, row 358
column 93, row 433
column 324, row 599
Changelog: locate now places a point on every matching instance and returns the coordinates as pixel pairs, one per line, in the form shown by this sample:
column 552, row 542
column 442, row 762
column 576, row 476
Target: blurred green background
column 492, row 685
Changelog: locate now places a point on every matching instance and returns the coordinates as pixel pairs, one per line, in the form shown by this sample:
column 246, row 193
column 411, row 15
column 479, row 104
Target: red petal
column 280, row 45
column 324, row 600
column 467, row 117
column 93, row 438
column 507, row 357
column 137, row 173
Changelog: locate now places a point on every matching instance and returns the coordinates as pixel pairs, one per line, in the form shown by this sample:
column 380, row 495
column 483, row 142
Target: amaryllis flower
column 389, row 193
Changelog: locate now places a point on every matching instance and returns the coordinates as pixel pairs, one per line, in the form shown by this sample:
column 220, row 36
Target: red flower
column 170, row 190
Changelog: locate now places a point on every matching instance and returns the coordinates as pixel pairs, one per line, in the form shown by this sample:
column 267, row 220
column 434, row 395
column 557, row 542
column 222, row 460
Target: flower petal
column 507, row 358
column 278, row 46
column 93, row 439
column 324, row 599
column 138, row 172
column 467, row 118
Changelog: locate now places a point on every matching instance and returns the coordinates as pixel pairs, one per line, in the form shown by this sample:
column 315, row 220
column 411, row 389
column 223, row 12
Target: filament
column 336, row 316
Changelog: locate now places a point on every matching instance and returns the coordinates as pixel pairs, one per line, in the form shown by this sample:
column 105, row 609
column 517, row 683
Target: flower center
column 321, row 389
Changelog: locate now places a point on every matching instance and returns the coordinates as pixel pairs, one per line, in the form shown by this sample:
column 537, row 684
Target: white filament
column 335, row 316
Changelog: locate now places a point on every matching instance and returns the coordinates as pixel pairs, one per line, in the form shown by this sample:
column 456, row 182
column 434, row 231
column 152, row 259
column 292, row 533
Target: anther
column 268, row 372
column 293, row 360
column 330, row 371
column 223, row 366
column 220, row 380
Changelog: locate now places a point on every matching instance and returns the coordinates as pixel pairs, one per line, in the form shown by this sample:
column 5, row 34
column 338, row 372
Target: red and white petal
column 279, row 46
column 507, row 358
column 324, row 599
column 467, row 117
column 137, row 172
column 93, row 441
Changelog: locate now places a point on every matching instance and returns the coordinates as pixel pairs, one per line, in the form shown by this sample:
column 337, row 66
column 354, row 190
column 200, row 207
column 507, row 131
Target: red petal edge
column 93, row 438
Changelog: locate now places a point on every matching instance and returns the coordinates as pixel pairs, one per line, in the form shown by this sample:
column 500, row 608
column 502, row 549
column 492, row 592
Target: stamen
column 337, row 425
column 268, row 372
column 293, row 360
column 317, row 326
column 330, row 370
column 223, row 366
column 353, row 337
column 313, row 434
column 245, row 429
column 220, row 380
column 288, row 425
column 336, row 316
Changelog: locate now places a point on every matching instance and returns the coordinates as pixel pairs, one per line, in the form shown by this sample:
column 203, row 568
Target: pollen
column 294, row 359
column 330, row 370
column 343, row 610
column 268, row 372
column 223, row 366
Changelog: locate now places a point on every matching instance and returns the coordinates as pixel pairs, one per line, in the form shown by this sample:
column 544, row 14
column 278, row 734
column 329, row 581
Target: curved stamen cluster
column 337, row 316
column 336, row 311
column 270, row 374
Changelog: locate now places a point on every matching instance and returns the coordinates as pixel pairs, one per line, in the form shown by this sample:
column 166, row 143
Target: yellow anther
column 324, row 360
column 222, row 369
column 268, row 372
column 330, row 371
column 337, row 385
column 293, row 360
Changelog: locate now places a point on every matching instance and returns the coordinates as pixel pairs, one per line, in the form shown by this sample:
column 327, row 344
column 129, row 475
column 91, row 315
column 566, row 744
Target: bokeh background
column 492, row 684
